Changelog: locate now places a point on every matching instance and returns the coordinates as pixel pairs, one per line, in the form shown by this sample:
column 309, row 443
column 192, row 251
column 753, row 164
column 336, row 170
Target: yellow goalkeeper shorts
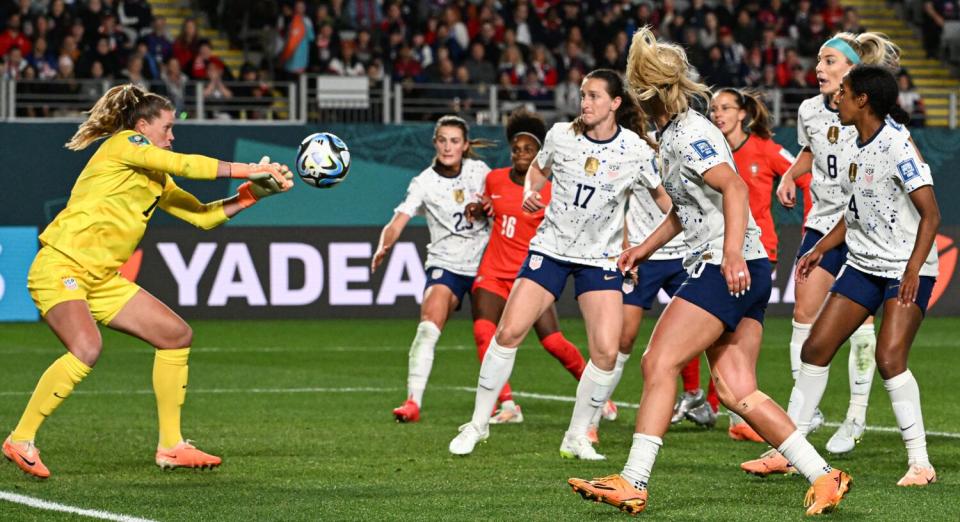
column 55, row 278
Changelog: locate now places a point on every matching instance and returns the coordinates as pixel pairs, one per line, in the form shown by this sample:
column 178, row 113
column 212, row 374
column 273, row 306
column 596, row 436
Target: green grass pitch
column 300, row 411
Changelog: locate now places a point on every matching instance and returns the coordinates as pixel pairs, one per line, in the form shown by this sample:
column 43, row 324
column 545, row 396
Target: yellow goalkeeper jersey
column 117, row 193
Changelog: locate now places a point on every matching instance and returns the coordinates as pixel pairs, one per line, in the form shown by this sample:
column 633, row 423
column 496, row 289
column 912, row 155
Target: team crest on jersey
column 70, row 283
column 436, row 273
column 591, row 166
column 458, row 195
column 833, row 134
column 868, row 174
column 852, row 173
column 908, row 170
column 628, row 285
column 704, row 149
column 139, row 140
column 754, row 168
column 536, row 261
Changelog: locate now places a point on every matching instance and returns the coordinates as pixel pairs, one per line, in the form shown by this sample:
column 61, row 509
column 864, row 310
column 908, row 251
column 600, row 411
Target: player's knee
column 626, row 342
column 656, row 366
column 890, row 364
column 509, row 335
column 86, row 347
column 816, row 352
column 179, row 335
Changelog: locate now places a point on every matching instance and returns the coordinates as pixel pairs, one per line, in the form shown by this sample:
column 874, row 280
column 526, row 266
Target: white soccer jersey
column 643, row 217
column 583, row 223
column 689, row 146
column 882, row 221
column 818, row 127
column 455, row 244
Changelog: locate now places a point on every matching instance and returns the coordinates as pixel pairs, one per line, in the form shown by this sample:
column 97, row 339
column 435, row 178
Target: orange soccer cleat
column 26, row 456
column 409, row 411
column 918, row 476
column 613, row 490
column 770, row 463
column 826, row 492
column 186, row 455
column 743, row 431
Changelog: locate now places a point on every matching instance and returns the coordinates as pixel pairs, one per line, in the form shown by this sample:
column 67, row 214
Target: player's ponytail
column 872, row 48
column 659, row 71
column 881, row 89
column 629, row 114
column 118, row 109
column 451, row 120
column 757, row 121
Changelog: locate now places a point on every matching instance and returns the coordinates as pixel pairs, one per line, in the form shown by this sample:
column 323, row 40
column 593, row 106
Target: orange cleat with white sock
column 826, row 492
column 613, row 490
column 743, row 431
column 770, row 463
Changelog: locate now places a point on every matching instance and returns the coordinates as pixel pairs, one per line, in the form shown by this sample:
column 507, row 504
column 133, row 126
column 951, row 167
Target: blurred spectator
column 696, row 14
column 42, row 60
column 526, row 28
column 13, row 64
column 157, row 40
column 90, row 15
column 552, row 29
column 696, row 53
column 909, row 100
column 833, row 15
column 572, row 16
column 611, row 59
column 364, row 48
column 422, row 52
column 364, row 13
column 801, row 19
column 573, row 57
column 770, row 52
column 470, row 96
column 709, row 34
column 567, row 95
column 133, row 73
column 12, row 37
column 813, row 37
column 216, row 95
column 507, row 93
column 745, row 31
column 174, row 84
column 533, row 90
column 347, row 63
column 454, row 23
column 715, row 71
column 60, row 21
column 339, row 15
column 541, row 64
column 26, row 90
column 753, row 70
column 488, row 39
column 609, row 22
column 936, row 14
column 201, row 63
column 393, row 23
column 478, row 67
column 324, row 49
column 185, row 46
column 254, row 93
column 101, row 52
column 851, row 21
column 135, row 14
column 405, row 67
column 151, row 66
column 511, row 63
column 295, row 55
column 66, row 84
column 68, row 48
column 118, row 40
column 726, row 13
column 785, row 70
column 733, row 51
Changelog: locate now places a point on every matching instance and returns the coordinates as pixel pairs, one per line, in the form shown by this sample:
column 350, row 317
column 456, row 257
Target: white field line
column 63, row 508
column 467, row 389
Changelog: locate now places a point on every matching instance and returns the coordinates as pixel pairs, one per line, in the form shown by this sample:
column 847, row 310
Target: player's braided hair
column 874, row 49
column 522, row 121
column 881, row 89
column 758, row 117
column 658, row 70
column 629, row 114
column 118, row 109
column 451, row 120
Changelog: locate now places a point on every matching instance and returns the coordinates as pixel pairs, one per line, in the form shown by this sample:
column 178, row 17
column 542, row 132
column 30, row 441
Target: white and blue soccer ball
column 323, row 160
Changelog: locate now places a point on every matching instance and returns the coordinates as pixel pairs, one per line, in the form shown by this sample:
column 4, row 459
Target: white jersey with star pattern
column 455, row 244
column 881, row 219
column 819, row 128
column 643, row 217
column 583, row 223
column 689, row 146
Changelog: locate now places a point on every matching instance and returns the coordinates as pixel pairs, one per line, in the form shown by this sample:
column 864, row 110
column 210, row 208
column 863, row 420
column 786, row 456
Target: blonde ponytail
column 659, row 70
column 874, row 49
column 118, row 109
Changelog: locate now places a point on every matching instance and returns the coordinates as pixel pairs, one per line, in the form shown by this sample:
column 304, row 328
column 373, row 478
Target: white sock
column 799, row 452
column 494, row 372
column 592, row 391
column 861, row 366
column 806, row 395
column 617, row 373
column 800, row 333
column 905, row 396
column 643, row 453
column 734, row 418
column 421, row 360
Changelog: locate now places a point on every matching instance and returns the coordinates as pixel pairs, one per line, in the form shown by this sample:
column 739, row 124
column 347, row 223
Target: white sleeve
column 545, row 156
column 701, row 154
column 911, row 171
column 648, row 175
column 802, row 137
column 413, row 203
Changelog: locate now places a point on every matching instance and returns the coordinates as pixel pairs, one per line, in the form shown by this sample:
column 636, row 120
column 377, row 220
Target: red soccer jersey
column 512, row 227
column 759, row 162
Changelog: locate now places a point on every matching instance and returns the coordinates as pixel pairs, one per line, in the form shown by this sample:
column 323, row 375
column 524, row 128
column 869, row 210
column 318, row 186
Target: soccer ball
column 323, row 160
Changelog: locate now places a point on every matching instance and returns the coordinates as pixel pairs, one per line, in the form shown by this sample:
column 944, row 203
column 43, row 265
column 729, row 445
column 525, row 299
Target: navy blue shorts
column 708, row 290
column 667, row 274
column 872, row 291
column 832, row 261
column 458, row 284
column 552, row 274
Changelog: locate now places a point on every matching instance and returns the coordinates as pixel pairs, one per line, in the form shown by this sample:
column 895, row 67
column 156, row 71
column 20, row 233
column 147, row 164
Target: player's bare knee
column 889, row 365
column 86, row 347
column 816, row 353
column 626, row 343
column 656, row 366
column 179, row 335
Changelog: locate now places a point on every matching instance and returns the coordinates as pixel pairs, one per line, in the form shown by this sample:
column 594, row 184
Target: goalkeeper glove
column 251, row 170
column 263, row 184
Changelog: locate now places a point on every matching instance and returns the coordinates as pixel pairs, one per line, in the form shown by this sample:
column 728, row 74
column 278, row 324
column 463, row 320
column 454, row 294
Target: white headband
column 525, row 133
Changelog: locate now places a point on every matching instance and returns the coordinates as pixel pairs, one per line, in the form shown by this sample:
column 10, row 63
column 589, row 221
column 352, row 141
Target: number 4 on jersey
column 852, row 207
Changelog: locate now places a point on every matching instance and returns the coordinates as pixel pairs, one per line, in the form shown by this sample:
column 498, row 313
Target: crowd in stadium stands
column 535, row 51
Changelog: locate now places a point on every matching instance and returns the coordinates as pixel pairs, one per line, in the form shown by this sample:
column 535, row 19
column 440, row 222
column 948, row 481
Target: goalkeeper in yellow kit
column 74, row 280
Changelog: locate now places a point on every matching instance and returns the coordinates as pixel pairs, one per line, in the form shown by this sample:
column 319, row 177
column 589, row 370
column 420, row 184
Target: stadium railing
column 336, row 99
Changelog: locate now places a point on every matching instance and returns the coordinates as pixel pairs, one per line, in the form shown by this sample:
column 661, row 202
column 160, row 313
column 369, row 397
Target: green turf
column 320, row 453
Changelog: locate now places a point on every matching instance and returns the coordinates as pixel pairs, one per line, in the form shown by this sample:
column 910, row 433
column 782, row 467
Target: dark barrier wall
column 312, row 260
